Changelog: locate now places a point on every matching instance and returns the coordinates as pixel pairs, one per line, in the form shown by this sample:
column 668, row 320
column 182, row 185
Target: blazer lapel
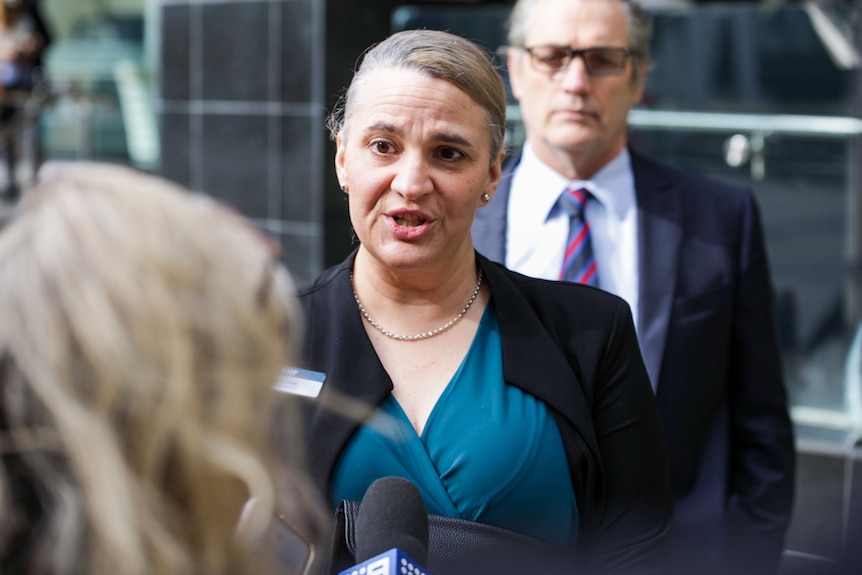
column 337, row 339
column 660, row 233
column 527, row 343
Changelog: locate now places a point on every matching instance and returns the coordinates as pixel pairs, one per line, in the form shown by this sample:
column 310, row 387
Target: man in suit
column 686, row 252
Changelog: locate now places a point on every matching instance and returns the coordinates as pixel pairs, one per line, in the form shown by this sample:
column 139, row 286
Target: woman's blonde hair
column 142, row 328
column 440, row 55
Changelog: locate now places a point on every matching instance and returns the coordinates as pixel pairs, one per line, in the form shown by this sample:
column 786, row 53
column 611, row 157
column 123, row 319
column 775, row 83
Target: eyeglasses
column 600, row 61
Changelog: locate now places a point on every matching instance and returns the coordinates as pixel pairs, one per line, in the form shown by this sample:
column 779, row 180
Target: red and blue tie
column 579, row 264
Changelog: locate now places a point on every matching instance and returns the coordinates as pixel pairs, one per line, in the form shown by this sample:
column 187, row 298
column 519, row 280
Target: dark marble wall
column 242, row 112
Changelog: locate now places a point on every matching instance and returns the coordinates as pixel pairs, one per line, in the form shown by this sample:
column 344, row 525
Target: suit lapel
column 660, row 234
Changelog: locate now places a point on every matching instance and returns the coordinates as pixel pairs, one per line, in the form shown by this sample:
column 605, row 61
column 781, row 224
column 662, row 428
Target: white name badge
column 298, row 381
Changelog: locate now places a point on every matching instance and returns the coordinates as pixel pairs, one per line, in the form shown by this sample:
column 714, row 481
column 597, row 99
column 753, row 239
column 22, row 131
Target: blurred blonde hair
column 141, row 331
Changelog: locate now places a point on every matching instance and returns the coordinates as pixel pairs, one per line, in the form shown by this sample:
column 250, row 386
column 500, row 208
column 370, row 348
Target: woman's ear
column 494, row 176
column 340, row 172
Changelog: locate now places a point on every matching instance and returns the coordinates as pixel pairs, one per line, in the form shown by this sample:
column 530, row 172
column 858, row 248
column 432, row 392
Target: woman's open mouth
column 408, row 220
column 409, row 225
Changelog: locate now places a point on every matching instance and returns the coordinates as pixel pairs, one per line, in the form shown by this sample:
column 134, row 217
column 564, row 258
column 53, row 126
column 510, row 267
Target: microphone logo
column 392, row 562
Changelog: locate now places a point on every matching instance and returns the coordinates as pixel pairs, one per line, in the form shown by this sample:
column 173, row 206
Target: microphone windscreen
column 392, row 514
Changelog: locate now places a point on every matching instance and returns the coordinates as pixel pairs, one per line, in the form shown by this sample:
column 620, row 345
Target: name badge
column 298, row 381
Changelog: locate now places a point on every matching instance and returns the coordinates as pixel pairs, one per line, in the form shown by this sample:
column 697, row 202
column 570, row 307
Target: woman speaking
column 507, row 400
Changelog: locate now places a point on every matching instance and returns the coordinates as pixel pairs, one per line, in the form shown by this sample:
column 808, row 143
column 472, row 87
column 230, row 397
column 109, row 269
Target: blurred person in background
column 142, row 328
column 24, row 38
column 686, row 252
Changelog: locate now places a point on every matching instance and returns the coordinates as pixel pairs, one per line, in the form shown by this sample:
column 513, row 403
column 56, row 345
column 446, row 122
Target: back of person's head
column 439, row 55
column 141, row 330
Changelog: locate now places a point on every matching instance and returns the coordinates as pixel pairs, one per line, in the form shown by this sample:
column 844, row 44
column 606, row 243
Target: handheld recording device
column 294, row 552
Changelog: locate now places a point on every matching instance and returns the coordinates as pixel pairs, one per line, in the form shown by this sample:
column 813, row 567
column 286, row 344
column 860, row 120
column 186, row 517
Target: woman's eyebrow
column 444, row 137
column 384, row 127
column 452, row 139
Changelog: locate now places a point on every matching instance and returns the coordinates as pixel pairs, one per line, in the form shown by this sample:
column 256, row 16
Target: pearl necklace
column 423, row 335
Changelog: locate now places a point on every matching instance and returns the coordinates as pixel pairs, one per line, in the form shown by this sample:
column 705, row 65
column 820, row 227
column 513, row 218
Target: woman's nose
column 412, row 178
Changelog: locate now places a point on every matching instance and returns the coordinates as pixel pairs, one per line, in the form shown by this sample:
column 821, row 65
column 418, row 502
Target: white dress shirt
column 538, row 229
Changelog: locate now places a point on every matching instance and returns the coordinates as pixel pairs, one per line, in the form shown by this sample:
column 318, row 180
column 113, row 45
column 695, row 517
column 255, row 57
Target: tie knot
column 573, row 200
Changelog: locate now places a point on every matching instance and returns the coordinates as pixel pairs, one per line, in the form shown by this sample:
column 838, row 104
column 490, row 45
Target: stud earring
column 343, row 187
column 486, row 197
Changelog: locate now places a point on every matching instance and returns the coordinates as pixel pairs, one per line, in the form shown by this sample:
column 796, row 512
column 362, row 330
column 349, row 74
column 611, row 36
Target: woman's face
column 415, row 156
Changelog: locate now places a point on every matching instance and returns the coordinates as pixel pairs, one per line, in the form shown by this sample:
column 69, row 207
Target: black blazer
column 708, row 337
column 573, row 347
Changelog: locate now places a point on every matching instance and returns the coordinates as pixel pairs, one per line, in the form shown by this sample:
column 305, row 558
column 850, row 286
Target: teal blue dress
column 489, row 451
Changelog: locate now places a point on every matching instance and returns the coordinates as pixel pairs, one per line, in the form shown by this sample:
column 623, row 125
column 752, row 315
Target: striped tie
column 579, row 265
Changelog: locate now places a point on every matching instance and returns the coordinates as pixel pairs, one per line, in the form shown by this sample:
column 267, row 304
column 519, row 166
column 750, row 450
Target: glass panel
column 102, row 104
column 763, row 96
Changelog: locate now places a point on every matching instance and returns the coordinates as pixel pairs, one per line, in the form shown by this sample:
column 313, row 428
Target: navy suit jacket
column 707, row 333
column 572, row 346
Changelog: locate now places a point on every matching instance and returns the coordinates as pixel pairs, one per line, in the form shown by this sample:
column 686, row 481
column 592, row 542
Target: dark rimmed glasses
column 599, row 61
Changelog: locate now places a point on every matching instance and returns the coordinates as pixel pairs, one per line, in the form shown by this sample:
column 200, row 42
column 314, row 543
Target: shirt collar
column 612, row 186
column 544, row 185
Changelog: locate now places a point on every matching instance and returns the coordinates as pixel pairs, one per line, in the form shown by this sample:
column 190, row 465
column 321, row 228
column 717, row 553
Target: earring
column 343, row 187
column 486, row 197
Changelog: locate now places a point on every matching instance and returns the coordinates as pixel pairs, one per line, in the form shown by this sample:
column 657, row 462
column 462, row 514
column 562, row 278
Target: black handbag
column 457, row 547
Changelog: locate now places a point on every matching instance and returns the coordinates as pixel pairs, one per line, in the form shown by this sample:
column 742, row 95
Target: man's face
column 572, row 117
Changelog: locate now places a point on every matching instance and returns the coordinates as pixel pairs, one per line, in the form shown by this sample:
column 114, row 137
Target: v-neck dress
column 489, row 452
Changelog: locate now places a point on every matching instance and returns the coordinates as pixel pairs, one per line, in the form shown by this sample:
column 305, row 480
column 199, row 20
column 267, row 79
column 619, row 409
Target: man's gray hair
column 640, row 30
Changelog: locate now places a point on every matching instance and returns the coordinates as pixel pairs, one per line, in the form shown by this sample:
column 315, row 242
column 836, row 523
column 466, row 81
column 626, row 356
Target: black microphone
column 391, row 530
